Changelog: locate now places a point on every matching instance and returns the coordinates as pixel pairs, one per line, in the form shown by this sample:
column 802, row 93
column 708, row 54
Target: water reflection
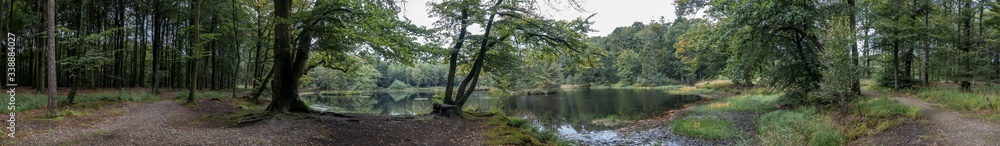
column 578, row 114
column 396, row 103
column 593, row 114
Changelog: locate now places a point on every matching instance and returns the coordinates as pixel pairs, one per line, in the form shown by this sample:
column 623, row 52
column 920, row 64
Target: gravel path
column 947, row 127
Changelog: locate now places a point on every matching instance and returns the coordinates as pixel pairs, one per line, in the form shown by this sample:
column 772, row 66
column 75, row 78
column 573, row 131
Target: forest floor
column 936, row 126
column 168, row 122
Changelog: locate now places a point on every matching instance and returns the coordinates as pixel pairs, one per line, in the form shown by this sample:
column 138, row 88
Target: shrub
column 797, row 128
column 704, row 127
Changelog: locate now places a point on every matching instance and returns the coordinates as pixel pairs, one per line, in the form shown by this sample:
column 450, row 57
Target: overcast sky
column 610, row 13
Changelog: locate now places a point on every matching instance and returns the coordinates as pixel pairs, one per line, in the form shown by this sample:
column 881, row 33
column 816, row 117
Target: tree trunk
column 192, row 69
column 924, row 72
column 237, row 45
column 72, row 92
column 856, row 81
column 288, row 68
column 51, row 20
column 469, row 84
column 157, row 44
column 453, row 59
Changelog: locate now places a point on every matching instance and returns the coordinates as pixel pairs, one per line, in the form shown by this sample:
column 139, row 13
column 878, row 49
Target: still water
column 577, row 114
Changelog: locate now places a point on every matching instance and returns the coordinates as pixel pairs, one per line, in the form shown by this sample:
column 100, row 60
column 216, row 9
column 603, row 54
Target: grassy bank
column 805, row 125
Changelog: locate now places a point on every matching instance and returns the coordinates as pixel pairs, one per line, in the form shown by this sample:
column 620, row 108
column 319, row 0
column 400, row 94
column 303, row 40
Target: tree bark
column 453, row 59
column 50, row 19
column 465, row 89
column 288, row 68
column 192, row 69
column 157, row 44
column 856, row 81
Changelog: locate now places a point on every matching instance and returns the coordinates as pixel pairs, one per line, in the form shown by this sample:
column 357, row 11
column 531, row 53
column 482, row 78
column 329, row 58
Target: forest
column 500, row 72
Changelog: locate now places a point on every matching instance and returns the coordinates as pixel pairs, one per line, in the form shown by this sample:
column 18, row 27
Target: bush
column 704, row 127
column 396, row 84
column 797, row 128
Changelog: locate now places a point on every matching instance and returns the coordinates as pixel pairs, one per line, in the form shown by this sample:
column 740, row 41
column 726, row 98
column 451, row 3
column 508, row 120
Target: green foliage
column 704, row 127
column 805, row 127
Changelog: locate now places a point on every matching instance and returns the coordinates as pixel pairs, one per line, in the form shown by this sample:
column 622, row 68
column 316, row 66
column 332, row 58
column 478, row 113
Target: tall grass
column 704, row 127
column 747, row 103
column 30, row 101
column 883, row 107
column 968, row 101
column 804, row 127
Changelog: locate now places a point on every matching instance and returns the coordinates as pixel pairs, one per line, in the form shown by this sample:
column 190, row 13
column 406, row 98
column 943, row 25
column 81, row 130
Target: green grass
column 802, row 127
column 517, row 131
column 883, row 107
column 704, row 127
column 748, row 103
column 967, row 101
column 30, row 101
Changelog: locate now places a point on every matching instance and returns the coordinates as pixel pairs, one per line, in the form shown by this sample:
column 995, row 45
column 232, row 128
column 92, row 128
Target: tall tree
column 51, row 45
column 157, row 45
column 193, row 52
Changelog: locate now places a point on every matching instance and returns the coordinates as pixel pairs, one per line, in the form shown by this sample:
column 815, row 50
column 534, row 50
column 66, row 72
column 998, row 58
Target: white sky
column 610, row 13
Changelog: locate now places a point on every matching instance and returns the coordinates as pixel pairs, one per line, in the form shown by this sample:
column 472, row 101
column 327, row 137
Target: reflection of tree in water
column 579, row 109
column 403, row 103
column 397, row 103
column 343, row 104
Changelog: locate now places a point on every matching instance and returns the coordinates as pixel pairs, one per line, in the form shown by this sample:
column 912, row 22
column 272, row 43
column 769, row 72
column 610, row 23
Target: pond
column 582, row 115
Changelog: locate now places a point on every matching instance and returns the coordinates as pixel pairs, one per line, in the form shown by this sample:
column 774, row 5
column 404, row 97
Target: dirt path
column 167, row 122
column 936, row 126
